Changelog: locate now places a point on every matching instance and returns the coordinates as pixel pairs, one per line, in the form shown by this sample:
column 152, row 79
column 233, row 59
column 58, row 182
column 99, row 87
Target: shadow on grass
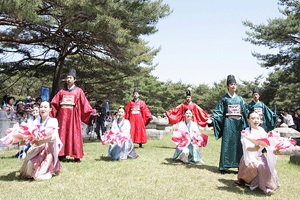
column 104, row 158
column 229, row 186
column 13, row 176
column 170, row 161
column 8, row 157
column 165, row 147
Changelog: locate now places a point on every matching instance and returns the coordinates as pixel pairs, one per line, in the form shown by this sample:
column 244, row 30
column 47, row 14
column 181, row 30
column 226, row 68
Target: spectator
column 288, row 119
column 100, row 119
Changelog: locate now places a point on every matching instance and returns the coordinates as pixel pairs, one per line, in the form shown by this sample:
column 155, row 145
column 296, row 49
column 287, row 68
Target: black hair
column 253, row 111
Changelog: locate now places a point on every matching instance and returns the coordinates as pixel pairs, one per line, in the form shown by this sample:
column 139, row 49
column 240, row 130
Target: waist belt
column 135, row 112
column 67, row 106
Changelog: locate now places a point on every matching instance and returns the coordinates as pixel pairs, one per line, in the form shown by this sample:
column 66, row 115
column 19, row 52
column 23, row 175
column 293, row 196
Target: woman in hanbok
column 185, row 135
column 256, row 169
column 122, row 146
column 41, row 161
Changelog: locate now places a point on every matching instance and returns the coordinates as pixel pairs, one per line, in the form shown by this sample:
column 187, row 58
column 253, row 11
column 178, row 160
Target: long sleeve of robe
column 176, row 115
column 229, row 129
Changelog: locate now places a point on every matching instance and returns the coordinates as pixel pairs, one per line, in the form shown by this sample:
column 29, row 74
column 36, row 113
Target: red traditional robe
column 139, row 115
column 177, row 114
column 71, row 108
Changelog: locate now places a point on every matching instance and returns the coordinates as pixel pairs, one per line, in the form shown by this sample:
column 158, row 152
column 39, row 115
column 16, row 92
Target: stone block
column 155, row 134
column 295, row 159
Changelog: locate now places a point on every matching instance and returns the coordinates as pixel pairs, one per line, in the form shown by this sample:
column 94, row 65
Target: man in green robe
column 268, row 117
column 229, row 119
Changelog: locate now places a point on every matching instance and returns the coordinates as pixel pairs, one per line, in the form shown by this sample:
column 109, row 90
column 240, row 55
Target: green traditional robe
column 268, row 117
column 228, row 125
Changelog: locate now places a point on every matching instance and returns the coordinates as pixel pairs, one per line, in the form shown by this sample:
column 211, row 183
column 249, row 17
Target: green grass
column 151, row 176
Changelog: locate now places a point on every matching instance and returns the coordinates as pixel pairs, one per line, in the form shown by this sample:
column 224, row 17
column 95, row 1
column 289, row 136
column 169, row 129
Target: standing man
column 71, row 107
column 100, row 119
column 229, row 119
column 268, row 118
column 139, row 116
column 176, row 115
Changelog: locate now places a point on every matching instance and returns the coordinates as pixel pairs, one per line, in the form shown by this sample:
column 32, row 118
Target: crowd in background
column 19, row 110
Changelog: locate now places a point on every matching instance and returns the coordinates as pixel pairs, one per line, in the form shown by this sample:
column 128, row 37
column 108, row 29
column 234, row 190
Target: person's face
column 70, row 81
column 232, row 87
column 45, row 109
column 11, row 102
column 188, row 99
column 136, row 95
column 254, row 120
column 188, row 114
column 255, row 96
column 21, row 106
column 35, row 111
column 121, row 113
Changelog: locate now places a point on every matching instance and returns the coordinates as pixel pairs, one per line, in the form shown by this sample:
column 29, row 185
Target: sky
column 202, row 41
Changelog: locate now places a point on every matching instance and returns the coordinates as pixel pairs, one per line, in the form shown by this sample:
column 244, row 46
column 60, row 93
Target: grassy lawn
column 152, row 176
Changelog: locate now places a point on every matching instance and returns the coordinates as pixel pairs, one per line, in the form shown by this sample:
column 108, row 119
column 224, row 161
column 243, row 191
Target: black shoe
column 140, row 145
column 223, row 171
column 77, row 160
column 62, row 158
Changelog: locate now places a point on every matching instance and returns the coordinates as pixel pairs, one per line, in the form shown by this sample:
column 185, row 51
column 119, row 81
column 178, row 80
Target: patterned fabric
column 71, row 108
column 229, row 128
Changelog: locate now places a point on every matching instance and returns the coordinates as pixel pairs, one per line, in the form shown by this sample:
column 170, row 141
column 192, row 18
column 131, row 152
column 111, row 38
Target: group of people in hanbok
column 231, row 118
column 242, row 145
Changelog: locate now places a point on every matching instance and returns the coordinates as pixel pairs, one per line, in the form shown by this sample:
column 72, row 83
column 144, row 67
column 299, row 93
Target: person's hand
column 276, row 151
column 209, row 121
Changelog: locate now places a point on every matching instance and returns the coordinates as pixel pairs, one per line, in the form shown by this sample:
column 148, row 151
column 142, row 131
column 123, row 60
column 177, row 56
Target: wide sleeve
column 271, row 118
column 55, row 105
column 145, row 113
column 217, row 119
column 200, row 116
column 244, row 111
column 127, row 110
column 175, row 115
column 85, row 107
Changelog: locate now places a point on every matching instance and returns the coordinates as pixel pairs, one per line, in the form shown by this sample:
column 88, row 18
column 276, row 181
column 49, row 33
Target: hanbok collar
column 232, row 96
column 188, row 125
column 135, row 100
column 71, row 88
column 44, row 124
column 120, row 124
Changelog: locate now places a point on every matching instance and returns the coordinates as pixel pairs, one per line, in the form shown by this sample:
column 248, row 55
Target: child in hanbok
column 121, row 146
column 256, row 169
column 188, row 139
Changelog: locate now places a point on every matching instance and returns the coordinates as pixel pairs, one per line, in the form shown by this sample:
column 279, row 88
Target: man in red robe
column 71, row 107
column 139, row 116
column 177, row 114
